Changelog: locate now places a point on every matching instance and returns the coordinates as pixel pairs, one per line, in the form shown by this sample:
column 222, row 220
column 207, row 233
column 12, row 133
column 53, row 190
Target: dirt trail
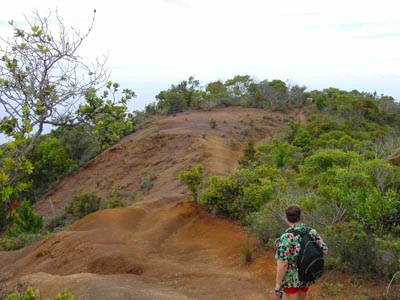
column 163, row 246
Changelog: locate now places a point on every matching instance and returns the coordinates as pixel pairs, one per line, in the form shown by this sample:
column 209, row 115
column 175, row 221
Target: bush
column 59, row 221
column 249, row 155
column 147, row 179
column 212, row 123
column 8, row 243
column 34, row 294
column 325, row 159
column 51, row 162
column 64, row 295
column 247, row 252
column 221, row 196
column 28, row 294
column 83, row 204
column 115, row 199
column 193, row 178
column 387, row 255
column 265, row 226
column 350, row 248
column 24, row 221
column 281, row 156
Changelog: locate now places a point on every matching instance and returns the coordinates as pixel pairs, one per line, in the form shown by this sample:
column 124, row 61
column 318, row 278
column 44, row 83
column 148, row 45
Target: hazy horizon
column 153, row 44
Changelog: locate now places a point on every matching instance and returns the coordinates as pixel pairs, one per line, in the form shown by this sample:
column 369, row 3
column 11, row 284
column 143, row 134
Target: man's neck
column 294, row 224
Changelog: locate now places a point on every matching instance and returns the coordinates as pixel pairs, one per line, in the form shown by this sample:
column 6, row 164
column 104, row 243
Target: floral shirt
column 288, row 248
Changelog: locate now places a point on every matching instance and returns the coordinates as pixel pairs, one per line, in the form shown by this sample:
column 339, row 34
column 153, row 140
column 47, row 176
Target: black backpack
column 310, row 262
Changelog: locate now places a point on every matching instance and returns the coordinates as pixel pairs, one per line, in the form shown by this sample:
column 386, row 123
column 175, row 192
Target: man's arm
column 320, row 241
column 281, row 268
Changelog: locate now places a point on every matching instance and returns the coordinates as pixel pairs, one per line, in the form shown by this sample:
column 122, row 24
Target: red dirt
column 163, row 246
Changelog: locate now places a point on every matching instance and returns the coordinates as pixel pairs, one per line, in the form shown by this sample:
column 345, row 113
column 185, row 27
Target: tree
column 43, row 81
column 272, row 93
column 216, row 93
column 106, row 118
column 42, row 78
column 238, row 88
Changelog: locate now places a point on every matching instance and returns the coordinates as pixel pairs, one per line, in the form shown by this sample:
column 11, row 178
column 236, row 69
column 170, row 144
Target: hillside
column 162, row 246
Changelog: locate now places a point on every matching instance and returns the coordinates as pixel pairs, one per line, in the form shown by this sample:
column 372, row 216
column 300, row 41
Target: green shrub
column 247, row 252
column 147, row 179
column 249, row 155
column 303, row 138
column 350, row 248
column 193, row 178
column 255, row 195
column 8, row 243
column 221, row 196
column 28, row 294
column 115, row 199
column 245, row 132
column 325, row 159
column 57, row 222
column 83, row 204
column 51, row 162
column 386, row 255
column 265, row 226
column 3, row 216
column 24, row 220
column 64, row 295
column 281, row 156
column 331, row 288
column 33, row 294
column 212, row 123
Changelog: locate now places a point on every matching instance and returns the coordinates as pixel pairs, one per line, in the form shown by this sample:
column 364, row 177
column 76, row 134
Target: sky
column 152, row 44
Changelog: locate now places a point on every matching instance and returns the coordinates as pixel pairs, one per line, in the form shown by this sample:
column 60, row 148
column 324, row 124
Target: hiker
column 288, row 248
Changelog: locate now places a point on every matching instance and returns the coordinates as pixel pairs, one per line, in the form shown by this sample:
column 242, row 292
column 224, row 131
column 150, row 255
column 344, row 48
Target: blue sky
column 155, row 43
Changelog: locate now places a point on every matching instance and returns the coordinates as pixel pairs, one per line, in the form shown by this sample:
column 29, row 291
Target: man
column 287, row 252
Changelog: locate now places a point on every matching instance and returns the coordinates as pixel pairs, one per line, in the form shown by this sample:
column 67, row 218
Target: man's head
column 293, row 213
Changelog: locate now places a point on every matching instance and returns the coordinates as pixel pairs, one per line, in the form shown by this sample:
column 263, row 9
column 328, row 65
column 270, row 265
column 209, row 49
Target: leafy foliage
column 83, row 204
column 42, row 82
column 78, row 142
column 243, row 192
column 241, row 90
column 50, row 162
column 24, row 220
column 179, row 97
column 148, row 178
column 107, row 117
column 193, row 178
column 10, row 243
column 33, row 294
column 114, row 199
column 247, row 252
column 333, row 166
column 28, row 294
column 249, row 155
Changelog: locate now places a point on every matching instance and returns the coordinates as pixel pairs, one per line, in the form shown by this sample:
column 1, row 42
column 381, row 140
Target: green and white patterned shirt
column 288, row 249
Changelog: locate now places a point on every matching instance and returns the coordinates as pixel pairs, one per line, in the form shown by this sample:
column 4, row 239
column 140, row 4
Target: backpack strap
column 299, row 232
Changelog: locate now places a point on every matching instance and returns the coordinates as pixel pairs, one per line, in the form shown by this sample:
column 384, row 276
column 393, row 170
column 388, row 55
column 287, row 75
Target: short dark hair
column 293, row 213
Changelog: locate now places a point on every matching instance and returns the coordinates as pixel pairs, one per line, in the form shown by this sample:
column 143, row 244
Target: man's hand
column 278, row 294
